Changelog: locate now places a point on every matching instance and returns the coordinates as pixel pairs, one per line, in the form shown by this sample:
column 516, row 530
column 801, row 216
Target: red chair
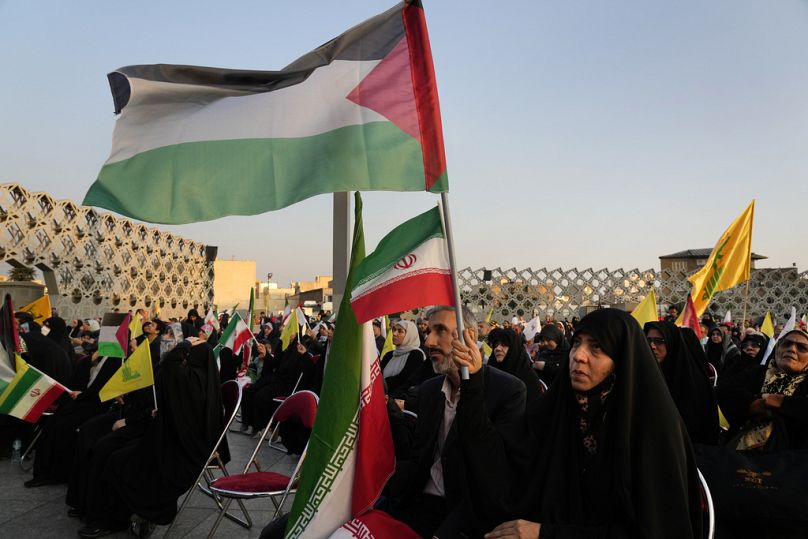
column 707, row 507
column 278, row 400
column 231, row 399
column 259, row 484
column 713, row 374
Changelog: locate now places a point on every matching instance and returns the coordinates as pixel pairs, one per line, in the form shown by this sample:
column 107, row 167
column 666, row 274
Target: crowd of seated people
column 589, row 429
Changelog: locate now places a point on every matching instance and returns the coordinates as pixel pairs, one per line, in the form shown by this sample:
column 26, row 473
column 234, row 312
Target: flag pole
column 447, row 223
column 745, row 301
column 154, row 392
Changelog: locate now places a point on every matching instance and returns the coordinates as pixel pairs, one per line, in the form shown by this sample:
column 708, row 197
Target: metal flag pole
column 447, row 223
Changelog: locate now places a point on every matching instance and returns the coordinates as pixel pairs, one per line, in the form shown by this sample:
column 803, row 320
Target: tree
column 22, row 273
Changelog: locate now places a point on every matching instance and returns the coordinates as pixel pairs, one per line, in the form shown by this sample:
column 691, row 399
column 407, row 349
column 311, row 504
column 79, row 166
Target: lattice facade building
column 564, row 293
column 94, row 262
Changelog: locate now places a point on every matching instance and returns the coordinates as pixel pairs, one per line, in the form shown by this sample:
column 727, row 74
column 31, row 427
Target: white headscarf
column 411, row 342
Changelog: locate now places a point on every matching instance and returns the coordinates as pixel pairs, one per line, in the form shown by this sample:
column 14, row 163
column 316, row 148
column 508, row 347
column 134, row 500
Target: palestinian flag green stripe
column 370, row 157
column 18, row 388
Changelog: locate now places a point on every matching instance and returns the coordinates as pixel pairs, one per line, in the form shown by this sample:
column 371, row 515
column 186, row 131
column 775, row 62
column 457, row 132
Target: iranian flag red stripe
column 409, row 269
column 375, row 456
column 43, row 403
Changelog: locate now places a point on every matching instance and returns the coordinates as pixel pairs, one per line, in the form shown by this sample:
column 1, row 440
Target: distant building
column 692, row 260
column 232, row 282
column 315, row 295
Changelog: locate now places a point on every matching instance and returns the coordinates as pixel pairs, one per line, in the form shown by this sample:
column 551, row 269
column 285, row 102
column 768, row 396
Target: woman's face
column 589, row 364
column 398, row 335
column 716, row 336
column 658, row 345
column 792, row 353
column 547, row 344
column 750, row 347
column 500, row 351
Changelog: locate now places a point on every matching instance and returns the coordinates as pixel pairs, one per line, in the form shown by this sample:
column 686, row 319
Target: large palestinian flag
column 350, row 455
column 359, row 113
column 409, row 269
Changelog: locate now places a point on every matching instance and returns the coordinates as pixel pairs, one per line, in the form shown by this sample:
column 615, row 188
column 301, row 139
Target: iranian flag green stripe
column 17, row 389
column 358, row 113
column 409, row 269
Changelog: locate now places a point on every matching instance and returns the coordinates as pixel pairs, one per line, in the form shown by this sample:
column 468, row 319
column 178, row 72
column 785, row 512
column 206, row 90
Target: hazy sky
column 588, row 134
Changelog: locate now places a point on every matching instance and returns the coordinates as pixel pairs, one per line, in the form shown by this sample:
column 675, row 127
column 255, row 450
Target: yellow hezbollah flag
column 40, row 309
column 729, row 263
column 388, row 339
column 135, row 373
column 489, row 315
column 646, row 311
column 135, row 327
column 767, row 327
column 290, row 330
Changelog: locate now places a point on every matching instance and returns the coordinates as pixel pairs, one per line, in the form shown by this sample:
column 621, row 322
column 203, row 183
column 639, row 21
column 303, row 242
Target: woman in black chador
column 603, row 454
column 145, row 478
column 684, row 367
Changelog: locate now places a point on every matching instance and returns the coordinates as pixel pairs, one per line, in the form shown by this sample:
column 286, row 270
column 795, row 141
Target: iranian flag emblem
column 409, row 269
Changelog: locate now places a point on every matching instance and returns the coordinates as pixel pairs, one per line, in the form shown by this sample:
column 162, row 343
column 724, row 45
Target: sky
column 578, row 134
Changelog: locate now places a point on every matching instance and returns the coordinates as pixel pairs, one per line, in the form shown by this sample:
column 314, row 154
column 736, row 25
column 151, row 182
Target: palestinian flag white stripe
column 182, row 113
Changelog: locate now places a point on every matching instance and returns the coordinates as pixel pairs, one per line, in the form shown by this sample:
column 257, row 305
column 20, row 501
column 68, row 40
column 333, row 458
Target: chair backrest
column 707, row 503
column 301, row 405
column 231, row 399
column 713, row 374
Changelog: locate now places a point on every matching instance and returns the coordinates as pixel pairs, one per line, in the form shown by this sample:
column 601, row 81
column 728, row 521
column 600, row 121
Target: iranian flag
column 29, row 393
column 235, row 336
column 409, row 269
column 360, row 112
column 350, row 455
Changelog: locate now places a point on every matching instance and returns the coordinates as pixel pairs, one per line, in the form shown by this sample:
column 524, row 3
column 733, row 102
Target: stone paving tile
column 41, row 512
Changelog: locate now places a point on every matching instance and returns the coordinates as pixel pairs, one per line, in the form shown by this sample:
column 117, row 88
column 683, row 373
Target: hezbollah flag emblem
column 135, row 373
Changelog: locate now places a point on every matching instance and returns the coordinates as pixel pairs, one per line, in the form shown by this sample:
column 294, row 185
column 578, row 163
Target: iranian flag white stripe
column 409, row 269
column 315, row 106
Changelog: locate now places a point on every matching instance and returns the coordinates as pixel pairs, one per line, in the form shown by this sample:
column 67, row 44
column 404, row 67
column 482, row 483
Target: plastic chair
column 542, row 386
column 707, row 504
column 231, row 399
column 250, row 485
column 713, row 374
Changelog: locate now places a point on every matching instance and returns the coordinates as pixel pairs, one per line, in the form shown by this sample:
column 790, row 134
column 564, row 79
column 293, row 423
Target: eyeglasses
column 656, row 341
column 750, row 345
column 802, row 347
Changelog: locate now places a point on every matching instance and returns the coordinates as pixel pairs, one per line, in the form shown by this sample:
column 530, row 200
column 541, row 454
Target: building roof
column 703, row 253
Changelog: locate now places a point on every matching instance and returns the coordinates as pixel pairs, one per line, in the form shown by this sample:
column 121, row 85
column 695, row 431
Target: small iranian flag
column 234, row 337
column 29, row 393
column 409, row 269
column 350, row 455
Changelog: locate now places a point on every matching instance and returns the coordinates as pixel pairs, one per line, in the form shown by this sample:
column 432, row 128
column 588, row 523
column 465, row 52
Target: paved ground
column 42, row 513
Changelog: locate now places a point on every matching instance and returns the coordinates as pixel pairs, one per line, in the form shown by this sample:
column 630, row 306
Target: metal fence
column 564, row 293
column 94, row 262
